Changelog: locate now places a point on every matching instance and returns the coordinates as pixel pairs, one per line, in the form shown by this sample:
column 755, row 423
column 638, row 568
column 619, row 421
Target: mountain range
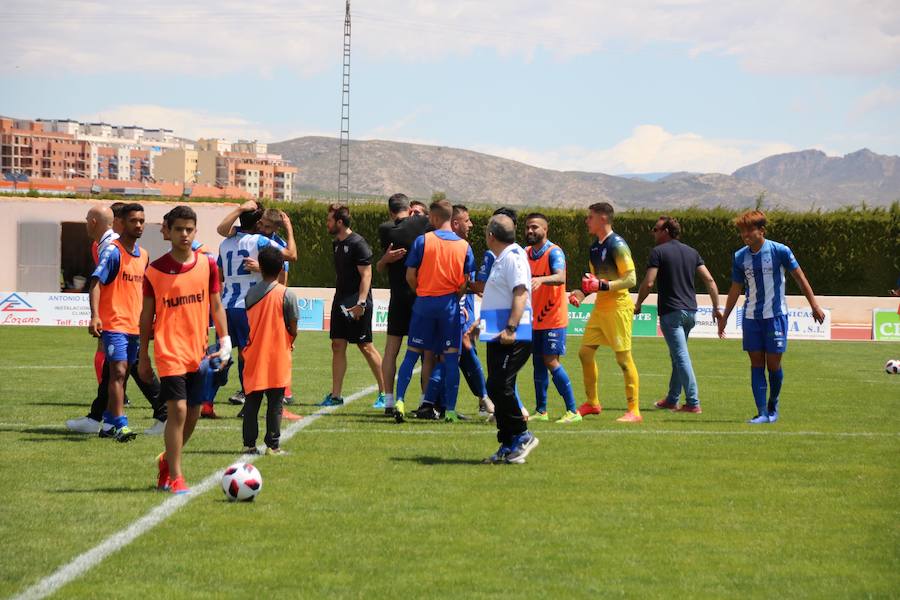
column 796, row 180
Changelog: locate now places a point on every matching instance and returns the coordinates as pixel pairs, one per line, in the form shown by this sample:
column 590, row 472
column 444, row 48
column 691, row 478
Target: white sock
column 388, row 400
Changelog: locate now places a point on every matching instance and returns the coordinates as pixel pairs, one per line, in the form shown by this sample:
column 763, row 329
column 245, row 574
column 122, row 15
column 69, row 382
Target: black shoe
column 389, row 412
column 426, row 412
column 240, row 414
column 127, row 401
column 237, row 398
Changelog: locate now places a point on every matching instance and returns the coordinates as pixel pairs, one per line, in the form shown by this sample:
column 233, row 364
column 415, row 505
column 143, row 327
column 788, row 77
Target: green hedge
column 850, row 252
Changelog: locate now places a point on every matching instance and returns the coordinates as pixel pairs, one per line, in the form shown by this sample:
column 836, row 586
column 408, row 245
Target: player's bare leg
column 370, row 352
column 338, row 366
column 174, row 435
column 389, row 362
column 118, row 371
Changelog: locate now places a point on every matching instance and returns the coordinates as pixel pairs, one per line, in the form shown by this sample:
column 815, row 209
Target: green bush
column 849, row 252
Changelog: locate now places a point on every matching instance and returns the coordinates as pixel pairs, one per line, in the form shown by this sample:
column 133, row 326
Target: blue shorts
column 120, row 346
column 435, row 329
column 238, row 326
column 765, row 335
column 547, row 342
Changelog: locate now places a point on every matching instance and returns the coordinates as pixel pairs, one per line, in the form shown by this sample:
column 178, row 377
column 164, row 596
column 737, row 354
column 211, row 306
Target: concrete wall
column 59, row 210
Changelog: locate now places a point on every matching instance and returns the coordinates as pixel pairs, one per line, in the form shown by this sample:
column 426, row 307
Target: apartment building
column 186, row 166
column 245, row 165
column 65, row 149
column 25, row 148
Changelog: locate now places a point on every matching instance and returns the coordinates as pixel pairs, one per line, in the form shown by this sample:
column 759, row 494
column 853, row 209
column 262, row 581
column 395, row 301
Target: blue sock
column 451, row 379
column 404, row 373
column 775, row 379
column 471, row 368
column 564, row 387
column 758, row 384
column 435, row 388
column 541, row 383
column 120, row 422
column 108, row 418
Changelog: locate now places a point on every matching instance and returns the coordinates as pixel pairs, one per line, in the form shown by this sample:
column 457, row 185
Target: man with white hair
column 506, row 316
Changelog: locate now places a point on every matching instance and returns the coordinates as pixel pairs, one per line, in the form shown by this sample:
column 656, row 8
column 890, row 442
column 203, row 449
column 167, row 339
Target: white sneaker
column 485, row 407
column 159, row 428
column 83, row 425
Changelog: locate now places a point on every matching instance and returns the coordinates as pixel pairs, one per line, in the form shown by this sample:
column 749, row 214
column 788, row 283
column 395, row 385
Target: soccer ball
column 241, row 482
column 892, row 366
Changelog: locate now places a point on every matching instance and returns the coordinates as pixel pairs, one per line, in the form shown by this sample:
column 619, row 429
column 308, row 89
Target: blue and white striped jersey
column 762, row 275
column 238, row 279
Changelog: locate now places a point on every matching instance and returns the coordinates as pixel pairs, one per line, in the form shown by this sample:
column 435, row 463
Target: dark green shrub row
column 851, row 252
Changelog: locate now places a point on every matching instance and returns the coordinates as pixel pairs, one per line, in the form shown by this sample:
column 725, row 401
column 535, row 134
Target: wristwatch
column 510, row 329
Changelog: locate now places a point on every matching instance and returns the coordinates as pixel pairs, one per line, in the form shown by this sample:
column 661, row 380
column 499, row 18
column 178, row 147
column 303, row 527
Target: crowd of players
column 433, row 279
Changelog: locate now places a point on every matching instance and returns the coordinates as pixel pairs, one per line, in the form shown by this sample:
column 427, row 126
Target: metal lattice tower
column 344, row 161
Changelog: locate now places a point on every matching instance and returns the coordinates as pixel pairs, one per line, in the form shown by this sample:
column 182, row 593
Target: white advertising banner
column 706, row 327
column 380, row 315
column 801, row 325
column 37, row 308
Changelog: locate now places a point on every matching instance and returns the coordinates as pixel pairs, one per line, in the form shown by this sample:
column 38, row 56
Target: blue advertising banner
column 312, row 314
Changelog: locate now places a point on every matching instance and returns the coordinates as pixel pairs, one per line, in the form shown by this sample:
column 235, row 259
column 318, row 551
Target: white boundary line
column 84, row 562
column 570, row 430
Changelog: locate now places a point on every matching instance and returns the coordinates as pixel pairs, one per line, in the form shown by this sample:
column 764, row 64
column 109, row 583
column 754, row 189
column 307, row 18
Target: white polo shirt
column 509, row 271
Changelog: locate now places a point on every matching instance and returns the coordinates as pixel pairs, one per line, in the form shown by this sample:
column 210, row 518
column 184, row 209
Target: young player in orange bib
column 179, row 289
column 272, row 315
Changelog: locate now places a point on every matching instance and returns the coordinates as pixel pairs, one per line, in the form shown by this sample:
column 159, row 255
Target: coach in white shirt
column 506, row 315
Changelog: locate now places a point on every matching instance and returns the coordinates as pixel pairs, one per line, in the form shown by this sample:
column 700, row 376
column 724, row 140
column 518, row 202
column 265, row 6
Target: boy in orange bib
column 179, row 290
column 272, row 314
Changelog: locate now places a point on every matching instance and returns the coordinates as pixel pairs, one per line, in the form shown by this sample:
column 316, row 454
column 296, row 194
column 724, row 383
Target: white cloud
column 397, row 127
column 884, row 96
column 649, row 149
column 193, row 124
column 206, row 37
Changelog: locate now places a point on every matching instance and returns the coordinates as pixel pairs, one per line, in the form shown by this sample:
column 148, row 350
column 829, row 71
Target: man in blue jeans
column 674, row 265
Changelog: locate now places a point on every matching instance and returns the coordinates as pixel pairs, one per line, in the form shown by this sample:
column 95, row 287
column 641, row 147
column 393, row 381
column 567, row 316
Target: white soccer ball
column 892, row 366
column 241, row 482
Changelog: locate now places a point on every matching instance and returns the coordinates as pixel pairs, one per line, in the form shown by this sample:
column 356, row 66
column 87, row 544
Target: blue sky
column 658, row 85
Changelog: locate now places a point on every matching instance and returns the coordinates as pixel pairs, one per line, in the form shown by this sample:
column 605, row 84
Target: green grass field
column 682, row 505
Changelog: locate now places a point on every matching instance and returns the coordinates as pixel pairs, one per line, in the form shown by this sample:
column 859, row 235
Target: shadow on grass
column 437, row 460
column 85, row 405
column 109, row 490
column 52, row 434
column 693, row 422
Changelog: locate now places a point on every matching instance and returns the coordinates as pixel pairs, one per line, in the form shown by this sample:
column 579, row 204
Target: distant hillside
column 812, row 177
column 380, row 168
